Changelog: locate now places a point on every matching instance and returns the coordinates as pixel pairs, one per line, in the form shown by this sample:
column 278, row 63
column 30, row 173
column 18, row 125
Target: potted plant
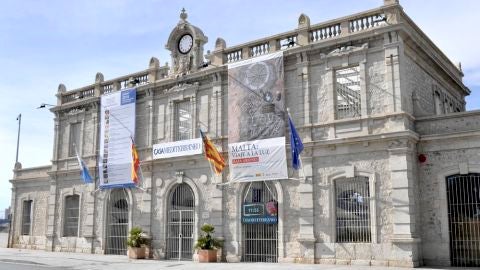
column 136, row 242
column 207, row 245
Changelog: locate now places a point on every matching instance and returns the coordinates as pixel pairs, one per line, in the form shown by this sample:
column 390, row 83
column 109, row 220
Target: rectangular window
column 27, row 217
column 183, row 120
column 74, row 138
column 347, row 91
column 71, row 215
column 352, row 210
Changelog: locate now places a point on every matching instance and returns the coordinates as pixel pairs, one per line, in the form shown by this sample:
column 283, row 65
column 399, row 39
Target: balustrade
column 234, row 56
column 366, row 22
column 259, row 49
column 288, row 42
column 325, row 32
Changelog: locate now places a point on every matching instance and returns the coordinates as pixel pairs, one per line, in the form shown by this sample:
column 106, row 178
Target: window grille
column 117, row 222
column 260, row 241
column 71, row 215
column 352, row 210
column 27, row 217
column 181, row 223
column 347, row 85
column 74, row 138
column 183, row 120
column 463, row 197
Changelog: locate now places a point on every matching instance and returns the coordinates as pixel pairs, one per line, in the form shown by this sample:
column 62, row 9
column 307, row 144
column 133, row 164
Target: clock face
column 185, row 43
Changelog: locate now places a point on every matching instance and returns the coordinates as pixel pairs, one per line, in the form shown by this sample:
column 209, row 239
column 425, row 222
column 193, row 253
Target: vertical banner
column 117, row 127
column 256, row 119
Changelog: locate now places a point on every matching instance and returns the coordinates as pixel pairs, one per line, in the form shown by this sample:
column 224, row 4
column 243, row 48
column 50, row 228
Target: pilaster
column 392, row 45
column 404, row 237
column 51, row 215
column 306, row 235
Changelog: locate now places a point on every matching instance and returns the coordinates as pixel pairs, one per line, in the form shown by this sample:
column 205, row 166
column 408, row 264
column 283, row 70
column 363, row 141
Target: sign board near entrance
column 178, row 148
column 260, row 213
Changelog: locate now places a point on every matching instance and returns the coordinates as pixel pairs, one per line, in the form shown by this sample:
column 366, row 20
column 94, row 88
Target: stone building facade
column 402, row 135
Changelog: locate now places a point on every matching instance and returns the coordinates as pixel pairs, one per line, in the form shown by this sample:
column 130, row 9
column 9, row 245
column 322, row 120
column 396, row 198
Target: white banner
column 117, row 128
column 258, row 160
column 178, row 148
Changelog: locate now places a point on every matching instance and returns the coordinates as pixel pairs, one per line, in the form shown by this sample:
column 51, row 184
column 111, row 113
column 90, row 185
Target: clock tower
column 186, row 46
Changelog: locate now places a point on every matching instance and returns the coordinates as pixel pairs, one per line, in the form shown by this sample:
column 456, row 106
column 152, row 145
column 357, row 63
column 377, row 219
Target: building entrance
column 260, row 239
column 463, row 195
column 181, row 223
column 117, row 222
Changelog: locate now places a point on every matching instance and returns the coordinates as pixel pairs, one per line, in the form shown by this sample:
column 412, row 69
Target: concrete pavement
column 16, row 259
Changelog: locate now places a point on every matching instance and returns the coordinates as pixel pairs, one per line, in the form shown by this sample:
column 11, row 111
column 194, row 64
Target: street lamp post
column 19, row 119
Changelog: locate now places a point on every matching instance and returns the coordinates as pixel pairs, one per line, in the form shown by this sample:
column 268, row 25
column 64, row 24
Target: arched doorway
column 117, row 222
column 260, row 223
column 180, row 223
column 463, row 196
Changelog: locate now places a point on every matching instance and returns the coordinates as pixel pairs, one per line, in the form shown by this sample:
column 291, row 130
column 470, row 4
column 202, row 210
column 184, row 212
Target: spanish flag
column 135, row 163
column 212, row 154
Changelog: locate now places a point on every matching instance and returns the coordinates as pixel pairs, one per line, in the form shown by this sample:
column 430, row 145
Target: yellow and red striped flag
column 135, row 163
column 212, row 154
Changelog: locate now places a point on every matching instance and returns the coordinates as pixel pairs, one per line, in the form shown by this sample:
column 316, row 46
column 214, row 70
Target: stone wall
column 451, row 146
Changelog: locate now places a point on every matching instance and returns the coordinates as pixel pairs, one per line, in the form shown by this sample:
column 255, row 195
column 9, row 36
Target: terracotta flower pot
column 136, row 252
column 207, row 255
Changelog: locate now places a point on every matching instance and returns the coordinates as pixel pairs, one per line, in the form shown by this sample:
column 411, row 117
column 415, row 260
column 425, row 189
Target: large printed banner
column 256, row 119
column 117, row 128
column 178, row 148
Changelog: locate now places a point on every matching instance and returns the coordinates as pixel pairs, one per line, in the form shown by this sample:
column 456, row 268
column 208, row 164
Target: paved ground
column 15, row 259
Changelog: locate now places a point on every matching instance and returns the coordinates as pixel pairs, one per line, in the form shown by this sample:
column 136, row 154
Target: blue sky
column 44, row 43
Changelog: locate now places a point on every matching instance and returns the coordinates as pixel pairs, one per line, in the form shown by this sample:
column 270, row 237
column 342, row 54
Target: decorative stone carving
column 62, row 88
column 98, row 77
column 183, row 87
column 154, row 63
column 344, row 50
column 220, row 44
column 303, row 21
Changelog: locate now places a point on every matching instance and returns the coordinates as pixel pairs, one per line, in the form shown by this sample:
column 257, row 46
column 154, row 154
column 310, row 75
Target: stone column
column 149, row 106
column 304, row 81
column 217, row 104
column 88, row 230
column 13, row 219
column 306, row 235
column 405, row 243
column 51, row 215
column 145, row 200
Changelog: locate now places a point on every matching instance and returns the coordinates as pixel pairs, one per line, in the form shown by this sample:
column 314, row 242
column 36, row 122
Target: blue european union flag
column 296, row 145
